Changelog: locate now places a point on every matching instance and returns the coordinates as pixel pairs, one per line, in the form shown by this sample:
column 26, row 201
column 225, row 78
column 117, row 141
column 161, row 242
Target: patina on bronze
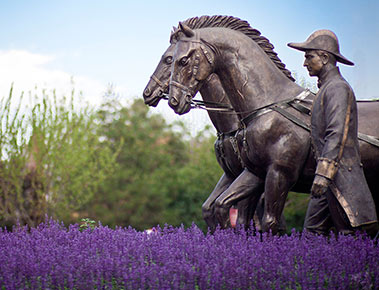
column 273, row 148
column 340, row 194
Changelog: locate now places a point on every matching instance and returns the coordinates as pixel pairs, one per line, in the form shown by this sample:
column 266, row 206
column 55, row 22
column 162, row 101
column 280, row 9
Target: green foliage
column 87, row 223
column 51, row 158
column 122, row 165
column 145, row 144
column 295, row 209
column 195, row 182
column 164, row 174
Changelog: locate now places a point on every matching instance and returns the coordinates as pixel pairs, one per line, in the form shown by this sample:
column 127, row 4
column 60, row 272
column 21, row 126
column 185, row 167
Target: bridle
column 189, row 92
column 225, row 108
column 162, row 87
column 159, row 83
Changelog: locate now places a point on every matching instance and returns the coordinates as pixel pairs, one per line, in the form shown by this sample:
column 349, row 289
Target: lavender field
column 52, row 256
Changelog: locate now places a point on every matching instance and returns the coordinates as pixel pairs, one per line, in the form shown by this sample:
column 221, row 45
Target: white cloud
column 28, row 70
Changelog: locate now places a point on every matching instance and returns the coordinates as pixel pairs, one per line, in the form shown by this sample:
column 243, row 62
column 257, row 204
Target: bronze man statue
column 340, row 194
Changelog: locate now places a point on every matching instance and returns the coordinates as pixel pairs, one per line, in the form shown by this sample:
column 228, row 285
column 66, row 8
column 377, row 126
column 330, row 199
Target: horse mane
column 234, row 23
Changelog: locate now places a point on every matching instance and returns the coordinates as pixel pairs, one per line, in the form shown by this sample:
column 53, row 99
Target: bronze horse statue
column 226, row 126
column 274, row 146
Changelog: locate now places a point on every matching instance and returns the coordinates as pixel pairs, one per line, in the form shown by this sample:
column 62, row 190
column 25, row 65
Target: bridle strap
column 191, row 40
column 203, row 48
column 155, row 79
column 180, row 86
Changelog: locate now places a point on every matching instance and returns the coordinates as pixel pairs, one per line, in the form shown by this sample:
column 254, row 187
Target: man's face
column 313, row 63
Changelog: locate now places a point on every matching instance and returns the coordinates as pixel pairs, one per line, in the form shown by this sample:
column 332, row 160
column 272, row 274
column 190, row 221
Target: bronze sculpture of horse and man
column 273, row 140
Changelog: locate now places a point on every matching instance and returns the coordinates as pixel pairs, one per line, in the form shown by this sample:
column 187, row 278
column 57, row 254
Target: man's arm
column 337, row 112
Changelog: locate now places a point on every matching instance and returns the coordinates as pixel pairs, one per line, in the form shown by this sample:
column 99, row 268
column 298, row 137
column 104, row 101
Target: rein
column 277, row 107
column 208, row 106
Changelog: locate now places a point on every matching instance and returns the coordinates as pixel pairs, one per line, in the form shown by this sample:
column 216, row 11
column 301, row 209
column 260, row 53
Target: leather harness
column 279, row 107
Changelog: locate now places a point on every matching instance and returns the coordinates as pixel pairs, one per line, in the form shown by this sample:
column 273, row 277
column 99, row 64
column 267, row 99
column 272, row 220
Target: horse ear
column 186, row 30
column 172, row 35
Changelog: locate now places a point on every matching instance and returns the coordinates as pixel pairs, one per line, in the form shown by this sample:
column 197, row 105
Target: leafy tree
column 194, row 182
column 148, row 147
column 51, row 158
column 164, row 174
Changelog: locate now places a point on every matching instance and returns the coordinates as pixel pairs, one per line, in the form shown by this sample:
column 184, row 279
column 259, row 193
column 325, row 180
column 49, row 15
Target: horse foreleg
column 277, row 184
column 258, row 216
column 247, row 207
column 208, row 206
column 245, row 185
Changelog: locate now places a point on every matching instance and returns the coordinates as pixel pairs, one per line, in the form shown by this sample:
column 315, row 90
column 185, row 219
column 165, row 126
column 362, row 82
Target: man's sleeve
column 337, row 113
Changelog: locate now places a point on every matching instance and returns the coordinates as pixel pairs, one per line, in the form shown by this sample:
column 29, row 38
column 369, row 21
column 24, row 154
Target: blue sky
column 45, row 43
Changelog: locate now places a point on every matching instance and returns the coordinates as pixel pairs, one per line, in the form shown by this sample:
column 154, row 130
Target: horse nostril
column 188, row 98
column 174, row 101
column 147, row 92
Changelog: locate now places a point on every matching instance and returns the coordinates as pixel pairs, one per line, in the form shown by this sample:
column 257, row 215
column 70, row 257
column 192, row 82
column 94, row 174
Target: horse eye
column 183, row 61
column 168, row 60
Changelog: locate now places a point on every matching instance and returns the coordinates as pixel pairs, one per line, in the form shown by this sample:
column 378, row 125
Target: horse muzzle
column 152, row 97
column 179, row 107
column 180, row 98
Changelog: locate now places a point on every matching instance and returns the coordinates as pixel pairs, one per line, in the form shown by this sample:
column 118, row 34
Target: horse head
column 192, row 64
column 157, row 87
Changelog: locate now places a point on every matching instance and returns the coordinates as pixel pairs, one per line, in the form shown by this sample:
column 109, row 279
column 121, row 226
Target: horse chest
column 270, row 141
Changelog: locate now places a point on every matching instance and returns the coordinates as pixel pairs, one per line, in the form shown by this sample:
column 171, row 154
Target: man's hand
column 319, row 186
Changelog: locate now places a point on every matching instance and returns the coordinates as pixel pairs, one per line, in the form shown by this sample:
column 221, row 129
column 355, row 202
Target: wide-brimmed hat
column 322, row 40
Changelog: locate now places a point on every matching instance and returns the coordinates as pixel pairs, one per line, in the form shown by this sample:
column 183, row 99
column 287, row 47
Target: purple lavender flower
column 52, row 256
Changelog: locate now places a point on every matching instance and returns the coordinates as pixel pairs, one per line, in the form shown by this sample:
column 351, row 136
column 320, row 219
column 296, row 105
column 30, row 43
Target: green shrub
column 52, row 159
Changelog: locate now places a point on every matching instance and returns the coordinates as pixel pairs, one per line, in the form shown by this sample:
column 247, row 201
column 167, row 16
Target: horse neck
column 212, row 91
column 249, row 77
